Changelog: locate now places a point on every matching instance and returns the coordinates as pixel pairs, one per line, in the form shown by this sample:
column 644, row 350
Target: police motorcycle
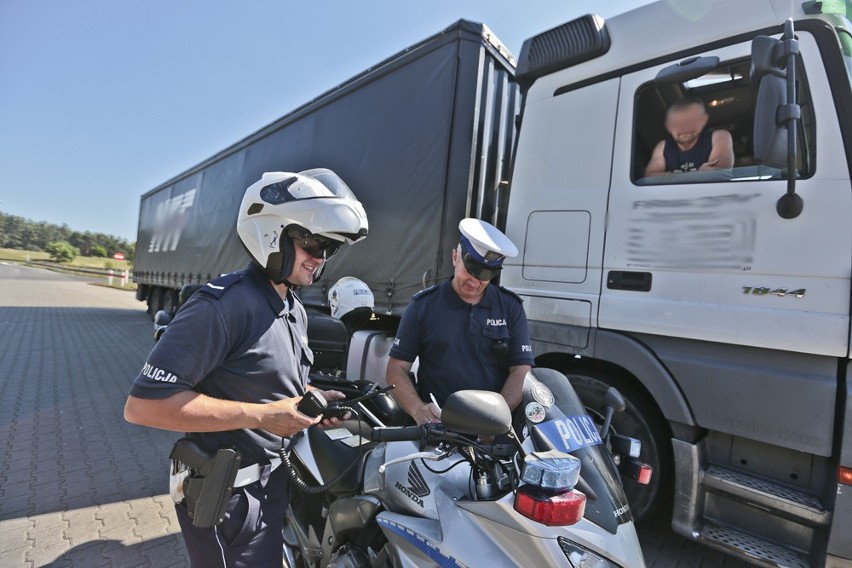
column 465, row 492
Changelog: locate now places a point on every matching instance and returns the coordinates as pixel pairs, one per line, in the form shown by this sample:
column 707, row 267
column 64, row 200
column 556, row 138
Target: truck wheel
column 170, row 301
column 641, row 420
column 155, row 301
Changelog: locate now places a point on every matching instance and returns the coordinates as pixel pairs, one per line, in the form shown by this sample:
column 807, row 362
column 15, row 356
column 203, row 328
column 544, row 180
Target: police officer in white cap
column 466, row 333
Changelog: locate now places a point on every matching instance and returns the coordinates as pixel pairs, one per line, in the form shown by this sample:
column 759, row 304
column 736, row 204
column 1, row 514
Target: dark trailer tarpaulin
column 423, row 139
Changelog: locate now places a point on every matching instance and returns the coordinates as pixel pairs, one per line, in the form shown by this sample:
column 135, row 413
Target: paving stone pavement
column 78, row 485
column 81, row 487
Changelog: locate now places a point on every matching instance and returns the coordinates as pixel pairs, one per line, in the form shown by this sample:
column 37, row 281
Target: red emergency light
column 552, row 510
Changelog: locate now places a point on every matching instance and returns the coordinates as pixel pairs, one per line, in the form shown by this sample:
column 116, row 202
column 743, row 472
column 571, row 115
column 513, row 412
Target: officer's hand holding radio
column 282, row 419
column 324, row 404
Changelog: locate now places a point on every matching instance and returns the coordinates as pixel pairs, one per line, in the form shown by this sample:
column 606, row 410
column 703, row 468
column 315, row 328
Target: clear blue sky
column 102, row 100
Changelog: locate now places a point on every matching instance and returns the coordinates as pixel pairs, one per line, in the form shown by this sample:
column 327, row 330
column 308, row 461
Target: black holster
column 208, row 486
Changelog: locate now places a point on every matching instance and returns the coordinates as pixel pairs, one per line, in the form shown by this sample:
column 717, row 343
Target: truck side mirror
column 776, row 114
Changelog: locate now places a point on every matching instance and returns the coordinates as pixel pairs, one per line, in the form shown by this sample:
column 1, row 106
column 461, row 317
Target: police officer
column 352, row 302
column 233, row 364
column 467, row 333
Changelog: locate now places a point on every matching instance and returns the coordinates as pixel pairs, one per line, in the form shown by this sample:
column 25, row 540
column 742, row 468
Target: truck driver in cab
column 691, row 145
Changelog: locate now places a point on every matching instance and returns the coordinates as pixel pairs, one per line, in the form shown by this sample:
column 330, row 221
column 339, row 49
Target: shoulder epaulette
column 510, row 293
column 217, row 286
column 426, row 292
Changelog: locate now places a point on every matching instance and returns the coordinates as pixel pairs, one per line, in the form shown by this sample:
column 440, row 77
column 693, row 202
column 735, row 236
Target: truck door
column 558, row 204
column 705, row 255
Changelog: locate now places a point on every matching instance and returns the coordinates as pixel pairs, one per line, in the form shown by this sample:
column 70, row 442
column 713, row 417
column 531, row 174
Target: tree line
column 26, row 234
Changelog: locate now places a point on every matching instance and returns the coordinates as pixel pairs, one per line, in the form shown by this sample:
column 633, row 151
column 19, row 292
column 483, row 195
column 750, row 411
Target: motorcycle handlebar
column 403, row 434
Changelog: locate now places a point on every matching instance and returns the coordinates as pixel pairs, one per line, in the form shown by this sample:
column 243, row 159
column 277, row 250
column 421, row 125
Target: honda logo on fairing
column 416, row 483
column 417, row 487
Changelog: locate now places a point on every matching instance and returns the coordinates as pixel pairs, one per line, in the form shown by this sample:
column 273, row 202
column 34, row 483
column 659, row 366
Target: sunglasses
column 478, row 270
column 315, row 245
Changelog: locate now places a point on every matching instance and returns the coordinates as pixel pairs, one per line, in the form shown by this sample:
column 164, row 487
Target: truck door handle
column 625, row 280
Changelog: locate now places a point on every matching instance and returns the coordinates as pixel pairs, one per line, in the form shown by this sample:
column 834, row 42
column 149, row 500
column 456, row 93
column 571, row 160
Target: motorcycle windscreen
column 556, row 420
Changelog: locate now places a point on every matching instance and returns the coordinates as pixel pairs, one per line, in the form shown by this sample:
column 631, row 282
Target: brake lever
column 434, row 455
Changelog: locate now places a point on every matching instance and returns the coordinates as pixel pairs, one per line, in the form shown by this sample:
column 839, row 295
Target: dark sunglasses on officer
column 479, row 270
column 316, row 246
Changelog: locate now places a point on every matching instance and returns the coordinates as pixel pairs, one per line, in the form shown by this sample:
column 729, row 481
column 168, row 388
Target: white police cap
column 485, row 242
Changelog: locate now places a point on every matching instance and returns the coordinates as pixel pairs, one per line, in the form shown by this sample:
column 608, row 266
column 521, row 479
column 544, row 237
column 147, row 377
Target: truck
column 421, row 138
column 717, row 302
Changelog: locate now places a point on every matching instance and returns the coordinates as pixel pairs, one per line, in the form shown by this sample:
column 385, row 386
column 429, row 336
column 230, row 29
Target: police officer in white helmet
column 234, row 362
column 467, row 333
column 352, row 302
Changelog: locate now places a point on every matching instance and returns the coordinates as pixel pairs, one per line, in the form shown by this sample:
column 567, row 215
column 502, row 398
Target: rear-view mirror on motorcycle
column 162, row 318
column 483, row 413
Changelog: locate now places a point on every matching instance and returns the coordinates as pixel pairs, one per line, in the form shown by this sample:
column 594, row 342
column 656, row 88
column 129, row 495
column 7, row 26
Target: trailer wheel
column 641, row 419
column 170, row 301
column 155, row 301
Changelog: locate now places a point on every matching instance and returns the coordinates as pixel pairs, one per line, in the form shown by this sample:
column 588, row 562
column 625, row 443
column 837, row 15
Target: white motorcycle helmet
column 314, row 206
column 348, row 296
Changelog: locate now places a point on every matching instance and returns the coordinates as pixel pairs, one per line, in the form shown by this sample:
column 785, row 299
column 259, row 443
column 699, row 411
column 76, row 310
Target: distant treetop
column 26, row 234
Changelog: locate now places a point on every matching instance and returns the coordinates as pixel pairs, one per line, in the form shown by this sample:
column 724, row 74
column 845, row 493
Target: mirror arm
column 610, row 411
column 790, row 205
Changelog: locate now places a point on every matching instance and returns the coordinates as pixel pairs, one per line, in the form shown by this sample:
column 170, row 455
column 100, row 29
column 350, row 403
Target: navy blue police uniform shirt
column 235, row 339
column 462, row 345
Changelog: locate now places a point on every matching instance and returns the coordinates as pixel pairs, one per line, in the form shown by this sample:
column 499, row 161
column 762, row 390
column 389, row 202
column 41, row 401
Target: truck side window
column 724, row 100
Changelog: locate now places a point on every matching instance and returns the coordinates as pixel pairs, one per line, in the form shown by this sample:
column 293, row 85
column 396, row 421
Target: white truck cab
column 720, row 308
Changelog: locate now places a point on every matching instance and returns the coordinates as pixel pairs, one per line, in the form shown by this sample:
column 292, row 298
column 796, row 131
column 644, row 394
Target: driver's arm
column 722, row 155
column 657, row 164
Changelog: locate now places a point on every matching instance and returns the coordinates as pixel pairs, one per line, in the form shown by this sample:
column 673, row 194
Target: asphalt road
column 78, row 485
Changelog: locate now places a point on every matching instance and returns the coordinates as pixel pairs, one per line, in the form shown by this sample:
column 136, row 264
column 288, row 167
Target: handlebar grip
column 403, row 434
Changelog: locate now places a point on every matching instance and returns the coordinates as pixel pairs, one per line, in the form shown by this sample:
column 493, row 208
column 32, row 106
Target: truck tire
column 641, row 419
column 170, row 301
column 155, row 301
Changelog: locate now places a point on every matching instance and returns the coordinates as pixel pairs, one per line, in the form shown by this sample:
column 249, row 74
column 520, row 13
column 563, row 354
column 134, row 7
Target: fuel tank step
column 753, row 518
column 754, row 549
column 783, row 501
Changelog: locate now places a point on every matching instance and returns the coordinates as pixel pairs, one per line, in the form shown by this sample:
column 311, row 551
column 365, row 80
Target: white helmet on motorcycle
column 349, row 295
column 314, row 207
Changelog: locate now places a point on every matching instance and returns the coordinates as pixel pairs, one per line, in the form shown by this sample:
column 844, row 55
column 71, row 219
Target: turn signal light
column 552, row 510
column 645, row 472
column 639, row 471
column 844, row 475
